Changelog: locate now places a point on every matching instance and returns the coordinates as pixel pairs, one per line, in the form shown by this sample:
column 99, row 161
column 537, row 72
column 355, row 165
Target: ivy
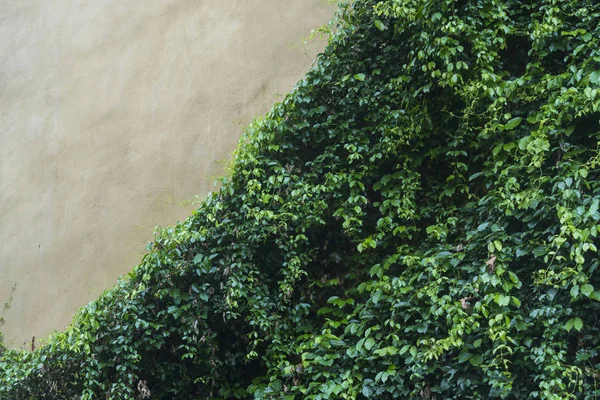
column 418, row 219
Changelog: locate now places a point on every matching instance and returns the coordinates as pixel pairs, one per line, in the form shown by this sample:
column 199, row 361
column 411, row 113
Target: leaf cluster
column 418, row 219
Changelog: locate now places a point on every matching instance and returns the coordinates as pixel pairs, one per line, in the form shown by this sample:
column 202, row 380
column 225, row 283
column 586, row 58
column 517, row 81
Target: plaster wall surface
column 113, row 113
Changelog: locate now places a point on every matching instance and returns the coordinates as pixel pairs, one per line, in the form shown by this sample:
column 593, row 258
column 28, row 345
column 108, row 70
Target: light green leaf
column 360, row 344
column 413, row 351
column 574, row 290
column 513, row 123
column 404, row 349
column 516, row 302
column 380, row 352
column 476, row 360
column 578, row 323
column 587, row 289
column 379, row 25
column 572, row 323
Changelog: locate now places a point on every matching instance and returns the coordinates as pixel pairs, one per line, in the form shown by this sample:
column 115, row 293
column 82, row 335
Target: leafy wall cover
column 418, row 219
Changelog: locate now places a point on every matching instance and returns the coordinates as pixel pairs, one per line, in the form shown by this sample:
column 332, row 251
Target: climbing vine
column 417, row 219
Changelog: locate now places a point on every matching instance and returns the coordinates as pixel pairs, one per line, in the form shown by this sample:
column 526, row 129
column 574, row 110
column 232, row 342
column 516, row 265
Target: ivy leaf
column 574, row 291
column 578, row 324
column 366, row 391
column 413, row 351
column 404, row 349
column 569, row 325
column 587, row 290
column 476, row 360
column 539, row 251
column 501, row 299
column 198, row 258
column 515, row 301
column 172, row 309
column 379, row 25
column 520, row 325
column 498, row 245
column 360, row 344
column 475, row 176
column 513, row 123
column 376, row 270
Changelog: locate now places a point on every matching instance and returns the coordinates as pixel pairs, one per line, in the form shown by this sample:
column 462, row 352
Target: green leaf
column 578, row 324
column 380, row 352
column 464, row 356
column 360, row 344
column 501, row 299
column 360, row 77
column 587, row 290
column 539, row 251
column 366, row 391
column 497, row 149
column 515, row 301
column 476, row 360
column 569, row 325
column 369, row 343
column 404, row 349
column 413, row 351
column 379, row 25
column 574, row 290
column 509, row 146
column 475, row 176
column 375, row 270
column 520, row 325
column 513, row 123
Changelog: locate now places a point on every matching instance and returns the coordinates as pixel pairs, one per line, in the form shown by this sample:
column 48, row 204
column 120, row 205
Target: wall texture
column 113, row 113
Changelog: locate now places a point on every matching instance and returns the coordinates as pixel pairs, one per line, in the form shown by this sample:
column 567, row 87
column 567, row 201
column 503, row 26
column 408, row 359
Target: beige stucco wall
column 113, row 113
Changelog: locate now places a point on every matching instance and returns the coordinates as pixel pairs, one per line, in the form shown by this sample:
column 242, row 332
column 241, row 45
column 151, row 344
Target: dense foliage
column 418, row 219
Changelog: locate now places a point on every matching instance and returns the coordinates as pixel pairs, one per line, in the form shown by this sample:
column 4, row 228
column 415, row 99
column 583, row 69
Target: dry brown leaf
column 491, row 263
